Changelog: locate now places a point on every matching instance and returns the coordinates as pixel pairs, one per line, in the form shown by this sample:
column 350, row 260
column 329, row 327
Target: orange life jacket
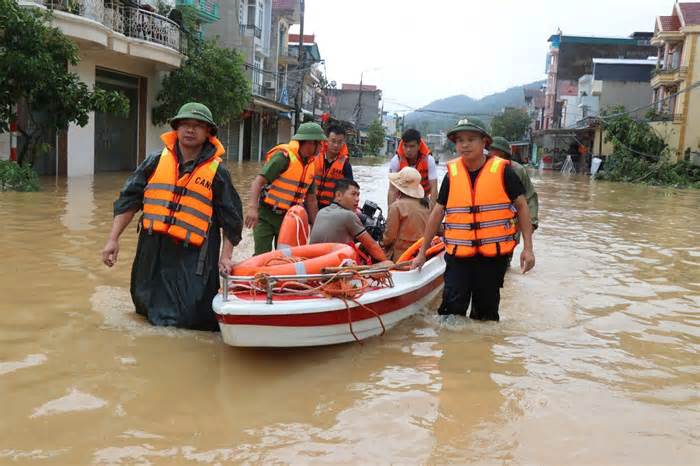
column 326, row 179
column 291, row 186
column 180, row 206
column 479, row 219
column 421, row 164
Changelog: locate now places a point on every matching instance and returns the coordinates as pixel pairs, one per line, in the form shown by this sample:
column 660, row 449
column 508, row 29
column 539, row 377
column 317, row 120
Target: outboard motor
column 373, row 220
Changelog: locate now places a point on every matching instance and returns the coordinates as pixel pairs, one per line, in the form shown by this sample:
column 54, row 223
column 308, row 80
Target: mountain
column 442, row 114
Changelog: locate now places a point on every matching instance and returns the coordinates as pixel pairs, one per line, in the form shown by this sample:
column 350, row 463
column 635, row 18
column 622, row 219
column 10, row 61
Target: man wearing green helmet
column 479, row 200
column 500, row 147
column 285, row 180
column 187, row 199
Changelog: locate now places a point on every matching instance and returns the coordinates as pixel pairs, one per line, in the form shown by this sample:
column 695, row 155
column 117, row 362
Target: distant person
column 414, row 152
column 187, row 199
column 478, row 199
column 286, row 179
column 332, row 164
column 339, row 223
column 408, row 214
column 500, row 147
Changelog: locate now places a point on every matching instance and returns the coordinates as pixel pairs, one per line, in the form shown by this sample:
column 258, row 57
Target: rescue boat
column 337, row 305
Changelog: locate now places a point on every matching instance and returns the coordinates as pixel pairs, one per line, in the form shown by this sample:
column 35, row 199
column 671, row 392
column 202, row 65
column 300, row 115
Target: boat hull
column 323, row 321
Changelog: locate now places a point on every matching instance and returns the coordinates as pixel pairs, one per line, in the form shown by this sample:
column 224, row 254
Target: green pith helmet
column 466, row 125
column 501, row 144
column 309, row 132
column 194, row 111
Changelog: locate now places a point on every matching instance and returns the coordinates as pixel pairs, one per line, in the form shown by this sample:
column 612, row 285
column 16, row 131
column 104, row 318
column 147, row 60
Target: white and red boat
column 265, row 319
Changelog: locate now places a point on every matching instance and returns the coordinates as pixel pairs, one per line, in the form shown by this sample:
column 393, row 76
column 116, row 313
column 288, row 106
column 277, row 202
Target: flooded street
column 595, row 361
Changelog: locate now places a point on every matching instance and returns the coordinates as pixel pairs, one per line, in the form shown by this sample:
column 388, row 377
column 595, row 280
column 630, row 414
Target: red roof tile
column 308, row 38
column 669, row 23
column 284, row 4
column 690, row 12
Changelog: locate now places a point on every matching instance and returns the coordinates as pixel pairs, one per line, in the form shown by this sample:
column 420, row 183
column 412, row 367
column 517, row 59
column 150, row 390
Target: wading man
column 479, row 199
column 414, row 152
column 500, row 147
column 187, row 200
column 286, row 179
column 332, row 165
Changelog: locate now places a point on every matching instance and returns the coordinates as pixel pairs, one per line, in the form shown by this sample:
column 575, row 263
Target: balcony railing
column 131, row 21
column 251, row 30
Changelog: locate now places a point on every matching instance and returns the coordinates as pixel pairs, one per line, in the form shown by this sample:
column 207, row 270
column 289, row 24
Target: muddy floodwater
column 596, row 359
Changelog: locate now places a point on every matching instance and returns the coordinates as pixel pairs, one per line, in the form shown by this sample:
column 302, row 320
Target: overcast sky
column 420, row 51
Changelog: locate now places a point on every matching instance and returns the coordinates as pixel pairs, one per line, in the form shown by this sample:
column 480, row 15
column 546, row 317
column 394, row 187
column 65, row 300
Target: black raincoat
column 165, row 286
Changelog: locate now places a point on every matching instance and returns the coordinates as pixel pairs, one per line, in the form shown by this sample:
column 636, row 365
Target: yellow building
column 675, row 101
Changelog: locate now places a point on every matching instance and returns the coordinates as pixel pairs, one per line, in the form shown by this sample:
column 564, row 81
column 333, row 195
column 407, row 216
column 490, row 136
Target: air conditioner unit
column 269, row 85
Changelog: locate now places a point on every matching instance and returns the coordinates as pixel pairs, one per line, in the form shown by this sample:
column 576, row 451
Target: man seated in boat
column 338, row 223
column 286, row 180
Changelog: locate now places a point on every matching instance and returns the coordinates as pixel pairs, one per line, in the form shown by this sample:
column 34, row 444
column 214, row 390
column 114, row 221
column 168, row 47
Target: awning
column 271, row 104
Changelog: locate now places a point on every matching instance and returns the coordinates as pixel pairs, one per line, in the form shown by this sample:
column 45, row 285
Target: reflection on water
column 595, row 359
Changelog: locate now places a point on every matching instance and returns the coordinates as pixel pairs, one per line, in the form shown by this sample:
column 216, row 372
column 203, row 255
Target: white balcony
column 112, row 25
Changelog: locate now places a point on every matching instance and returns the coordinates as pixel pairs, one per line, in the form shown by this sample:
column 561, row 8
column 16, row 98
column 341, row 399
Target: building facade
column 676, row 104
column 359, row 104
column 121, row 47
column 613, row 83
column 571, row 57
column 258, row 29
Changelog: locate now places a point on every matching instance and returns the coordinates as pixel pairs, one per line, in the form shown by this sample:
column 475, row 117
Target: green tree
column 375, row 137
column 210, row 75
column 34, row 73
column 640, row 155
column 512, row 124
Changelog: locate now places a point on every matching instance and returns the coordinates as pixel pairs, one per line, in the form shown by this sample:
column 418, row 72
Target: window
column 259, row 20
column 251, row 12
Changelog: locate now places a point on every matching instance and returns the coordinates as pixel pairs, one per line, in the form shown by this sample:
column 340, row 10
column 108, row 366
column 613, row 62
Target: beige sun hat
column 408, row 182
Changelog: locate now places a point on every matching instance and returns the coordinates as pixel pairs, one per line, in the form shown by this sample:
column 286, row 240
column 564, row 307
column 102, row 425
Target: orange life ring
column 436, row 246
column 295, row 228
column 299, row 260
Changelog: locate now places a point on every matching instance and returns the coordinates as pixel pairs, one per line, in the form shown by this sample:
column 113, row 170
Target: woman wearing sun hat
column 408, row 214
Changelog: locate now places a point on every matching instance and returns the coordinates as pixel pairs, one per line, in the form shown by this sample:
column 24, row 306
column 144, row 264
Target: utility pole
column 359, row 107
column 300, row 58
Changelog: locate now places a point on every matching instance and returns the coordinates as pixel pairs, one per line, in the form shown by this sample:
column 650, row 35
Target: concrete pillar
column 260, row 131
column 241, row 134
column 81, row 141
column 5, row 146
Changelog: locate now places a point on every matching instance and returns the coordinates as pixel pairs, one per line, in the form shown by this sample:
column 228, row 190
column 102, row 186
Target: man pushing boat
column 480, row 200
column 187, row 198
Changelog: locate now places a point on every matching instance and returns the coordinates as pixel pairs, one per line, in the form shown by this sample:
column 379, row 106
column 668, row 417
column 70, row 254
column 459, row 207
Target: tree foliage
column 16, row 177
column 640, row 155
column 512, row 124
column 375, row 137
column 34, row 73
column 210, row 75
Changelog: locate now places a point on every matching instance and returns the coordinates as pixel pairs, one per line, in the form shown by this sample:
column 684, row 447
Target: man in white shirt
column 414, row 152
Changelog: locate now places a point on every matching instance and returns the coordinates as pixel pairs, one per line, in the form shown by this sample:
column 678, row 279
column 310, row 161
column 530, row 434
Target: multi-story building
column 358, row 104
column 534, row 101
column 121, row 47
column 258, row 29
column 308, row 75
column 677, row 104
column 571, row 57
column 615, row 82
